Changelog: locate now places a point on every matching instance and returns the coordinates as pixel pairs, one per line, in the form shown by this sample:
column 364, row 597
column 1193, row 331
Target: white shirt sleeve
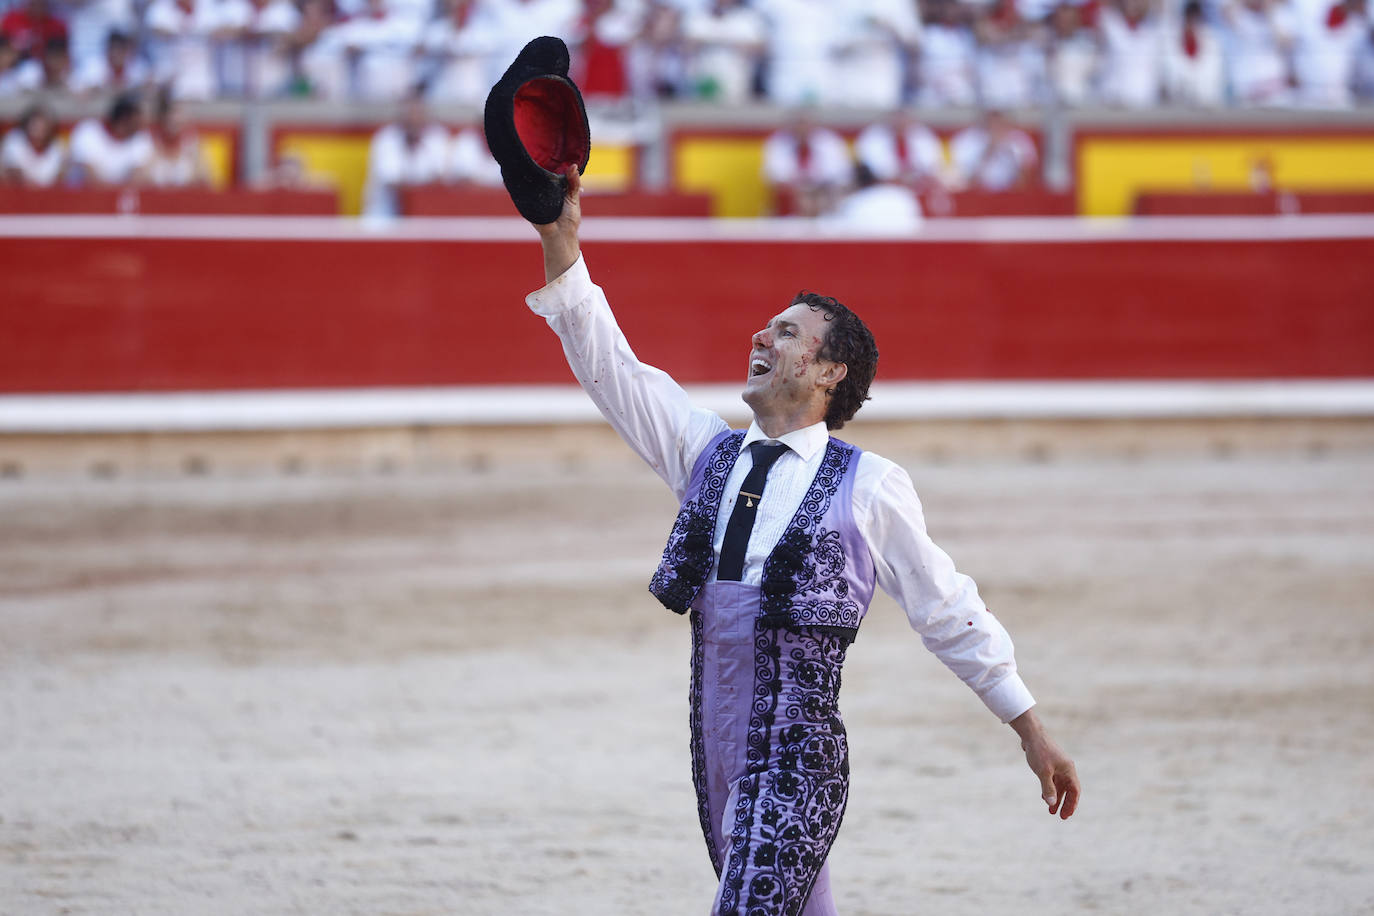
column 644, row 405
column 941, row 603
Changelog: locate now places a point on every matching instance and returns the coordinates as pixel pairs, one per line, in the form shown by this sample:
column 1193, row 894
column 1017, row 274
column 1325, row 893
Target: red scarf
column 1336, row 18
column 1190, row 44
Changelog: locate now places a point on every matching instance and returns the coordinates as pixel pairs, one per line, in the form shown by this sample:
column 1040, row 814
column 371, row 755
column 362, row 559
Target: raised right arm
column 644, row 405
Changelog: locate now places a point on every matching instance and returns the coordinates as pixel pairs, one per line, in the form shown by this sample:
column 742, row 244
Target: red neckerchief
column 1336, row 17
column 1190, row 43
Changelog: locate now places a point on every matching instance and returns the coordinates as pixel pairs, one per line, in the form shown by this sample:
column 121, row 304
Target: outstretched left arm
column 943, row 605
column 1058, row 778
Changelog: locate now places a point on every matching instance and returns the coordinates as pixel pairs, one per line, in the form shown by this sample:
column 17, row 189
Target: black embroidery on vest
column 688, row 557
column 696, row 720
column 803, row 578
column 793, row 798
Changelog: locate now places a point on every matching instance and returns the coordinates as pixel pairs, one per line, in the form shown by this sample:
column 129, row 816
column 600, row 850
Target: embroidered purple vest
column 819, row 575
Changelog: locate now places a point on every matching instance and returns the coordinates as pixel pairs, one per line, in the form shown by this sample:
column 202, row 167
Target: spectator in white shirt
column 1194, row 66
column 1071, row 59
column 518, row 22
column 470, row 161
column 1329, row 39
column 255, row 46
column 32, row 154
column 725, row 43
column 657, row 61
column 457, row 47
column 319, row 51
column 118, row 70
column 808, row 164
column 993, row 155
column 51, row 73
column 177, row 160
column 803, row 39
column 879, row 37
column 1260, row 40
column 380, row 47
column 90, row 23
column 1010, row 65
column 114, row 151
column 180, row 48
column 901, row 149
column 874, row 206
column 411, row 151
column 946, row 67
column 1133, row 54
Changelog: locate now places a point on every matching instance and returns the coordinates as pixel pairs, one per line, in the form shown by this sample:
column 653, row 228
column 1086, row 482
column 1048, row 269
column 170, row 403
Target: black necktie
column 741, row 523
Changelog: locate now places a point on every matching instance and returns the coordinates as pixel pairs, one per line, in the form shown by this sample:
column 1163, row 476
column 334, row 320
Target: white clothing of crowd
column 874, row 186
column 414, row 151
column 101, row 152
column 877, row 54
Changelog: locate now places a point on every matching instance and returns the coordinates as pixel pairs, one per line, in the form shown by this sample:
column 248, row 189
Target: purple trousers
column 770, row 761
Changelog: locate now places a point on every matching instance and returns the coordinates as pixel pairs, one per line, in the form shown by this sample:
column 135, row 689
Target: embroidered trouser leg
column 769, row 757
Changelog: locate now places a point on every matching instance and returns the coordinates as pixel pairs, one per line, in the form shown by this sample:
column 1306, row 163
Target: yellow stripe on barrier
column 1112, row 171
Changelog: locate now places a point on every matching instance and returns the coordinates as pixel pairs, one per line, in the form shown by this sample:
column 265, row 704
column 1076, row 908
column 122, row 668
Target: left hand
column 1059, row 786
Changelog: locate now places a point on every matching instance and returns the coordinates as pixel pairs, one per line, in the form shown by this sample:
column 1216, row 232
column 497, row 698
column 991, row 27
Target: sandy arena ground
column 447, row 691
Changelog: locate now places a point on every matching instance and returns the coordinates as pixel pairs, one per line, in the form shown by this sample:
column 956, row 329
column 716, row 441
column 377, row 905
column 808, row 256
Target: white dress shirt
column 39, row 170
column 725, row 44
column 881, row 209
column 876, row 147
column 180, row 46
column 653, row 415
column 1133, row 59
column 107, row 159
column 995, row 169
column 392, row 162
column 827, row 164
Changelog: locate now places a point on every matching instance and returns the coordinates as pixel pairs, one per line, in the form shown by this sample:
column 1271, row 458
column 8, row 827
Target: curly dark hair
column 847, row 340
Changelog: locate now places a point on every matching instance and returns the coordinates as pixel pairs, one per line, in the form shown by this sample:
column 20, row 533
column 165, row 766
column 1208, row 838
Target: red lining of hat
column 549, row 124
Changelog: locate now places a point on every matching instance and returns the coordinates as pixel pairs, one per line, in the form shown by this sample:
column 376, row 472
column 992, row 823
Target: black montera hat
column 537, row 129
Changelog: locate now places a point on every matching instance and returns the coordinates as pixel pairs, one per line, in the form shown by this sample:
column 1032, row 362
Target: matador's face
column 786, row 370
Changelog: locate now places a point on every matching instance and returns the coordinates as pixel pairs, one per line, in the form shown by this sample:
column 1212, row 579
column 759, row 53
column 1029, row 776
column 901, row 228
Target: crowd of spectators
column 138, row 141
column 812, row 171
column 857, row 53
column 414, row 150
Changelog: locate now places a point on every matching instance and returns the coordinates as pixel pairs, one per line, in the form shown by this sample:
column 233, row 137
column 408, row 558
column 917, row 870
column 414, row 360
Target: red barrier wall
column 444, row 200
column 167, row 313
column 1269, row 203
column 172, row 201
